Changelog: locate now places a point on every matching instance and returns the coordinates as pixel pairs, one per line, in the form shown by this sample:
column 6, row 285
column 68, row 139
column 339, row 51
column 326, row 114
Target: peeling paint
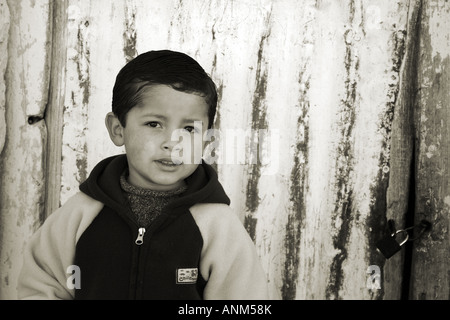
column 81, row 163
column 385, row 127
column 342, row 215
column 250, row 226
column 83, row 61
column 130, row 33
column 298, row 190
column 376, row 224
column 259, row 110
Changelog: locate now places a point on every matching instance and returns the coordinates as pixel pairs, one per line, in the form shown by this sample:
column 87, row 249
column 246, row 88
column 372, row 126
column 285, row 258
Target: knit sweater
column 147, row 204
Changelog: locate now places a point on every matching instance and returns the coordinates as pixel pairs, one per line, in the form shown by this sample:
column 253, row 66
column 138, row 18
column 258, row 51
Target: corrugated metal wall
column 351, row 97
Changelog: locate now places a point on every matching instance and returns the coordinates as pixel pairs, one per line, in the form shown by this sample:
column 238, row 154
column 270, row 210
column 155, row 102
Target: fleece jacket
column 92, row 248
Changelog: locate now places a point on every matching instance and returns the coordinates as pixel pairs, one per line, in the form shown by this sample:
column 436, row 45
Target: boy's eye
column 153, row 124
column 191, row 129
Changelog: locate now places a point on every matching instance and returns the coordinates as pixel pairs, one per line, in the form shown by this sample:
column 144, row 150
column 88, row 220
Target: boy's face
column 148, row 132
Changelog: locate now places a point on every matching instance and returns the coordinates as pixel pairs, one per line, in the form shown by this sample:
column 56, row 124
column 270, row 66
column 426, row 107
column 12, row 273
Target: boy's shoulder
column 215, row 216
column 79, row 202
column 74, row 215
column 212, row 211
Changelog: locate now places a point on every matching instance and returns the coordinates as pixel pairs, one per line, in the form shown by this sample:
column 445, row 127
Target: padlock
column 388, row 246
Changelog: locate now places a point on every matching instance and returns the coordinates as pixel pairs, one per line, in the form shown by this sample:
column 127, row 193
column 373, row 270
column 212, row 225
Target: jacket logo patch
column 187, row 275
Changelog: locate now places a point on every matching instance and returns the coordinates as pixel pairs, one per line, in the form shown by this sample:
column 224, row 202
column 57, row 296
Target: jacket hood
column 103, row 184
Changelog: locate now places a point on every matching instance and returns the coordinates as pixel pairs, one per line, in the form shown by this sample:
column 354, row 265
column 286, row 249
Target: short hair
column 163, row 67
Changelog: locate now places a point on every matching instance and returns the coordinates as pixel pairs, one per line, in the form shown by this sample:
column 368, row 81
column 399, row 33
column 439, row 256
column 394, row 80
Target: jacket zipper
column 140, row 241
column 140, row 237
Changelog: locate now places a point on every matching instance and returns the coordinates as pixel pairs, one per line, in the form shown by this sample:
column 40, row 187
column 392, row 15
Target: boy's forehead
column 155, row 89
column 164, row 98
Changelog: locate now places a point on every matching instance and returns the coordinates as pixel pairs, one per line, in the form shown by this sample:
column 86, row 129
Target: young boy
column 144, row 225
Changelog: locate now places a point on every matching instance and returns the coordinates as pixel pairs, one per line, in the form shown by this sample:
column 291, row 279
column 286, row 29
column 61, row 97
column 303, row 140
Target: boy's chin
column 177, row 179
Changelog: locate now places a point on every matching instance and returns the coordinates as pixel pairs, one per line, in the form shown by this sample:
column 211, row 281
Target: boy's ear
column 115, row 129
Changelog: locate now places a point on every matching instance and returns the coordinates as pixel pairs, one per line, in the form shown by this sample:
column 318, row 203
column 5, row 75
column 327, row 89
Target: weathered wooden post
column 22, row 161
column 430, row 270
column 4, row 35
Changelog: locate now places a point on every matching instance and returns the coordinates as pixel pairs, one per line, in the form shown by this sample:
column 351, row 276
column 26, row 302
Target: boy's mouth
column 168, row 163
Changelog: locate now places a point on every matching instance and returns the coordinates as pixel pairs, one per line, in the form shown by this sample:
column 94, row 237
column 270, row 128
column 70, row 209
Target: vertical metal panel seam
column 55, row 109
column 377, row 220
column 430, row 274
column 3, row 68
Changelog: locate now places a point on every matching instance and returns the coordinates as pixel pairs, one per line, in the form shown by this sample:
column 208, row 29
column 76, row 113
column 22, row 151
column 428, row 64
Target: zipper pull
column 140, row 237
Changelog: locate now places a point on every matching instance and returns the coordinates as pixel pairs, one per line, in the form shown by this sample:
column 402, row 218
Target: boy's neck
column 125, row 181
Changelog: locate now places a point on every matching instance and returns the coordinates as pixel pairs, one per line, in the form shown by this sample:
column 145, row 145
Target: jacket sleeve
column 51, row 249
column 229, row 261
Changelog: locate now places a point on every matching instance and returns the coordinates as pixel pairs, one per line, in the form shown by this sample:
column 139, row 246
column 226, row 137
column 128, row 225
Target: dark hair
column 175, row 69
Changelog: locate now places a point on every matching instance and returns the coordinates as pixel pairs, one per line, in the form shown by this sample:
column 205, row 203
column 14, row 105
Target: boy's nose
column 170, row 141
column 169, row 144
